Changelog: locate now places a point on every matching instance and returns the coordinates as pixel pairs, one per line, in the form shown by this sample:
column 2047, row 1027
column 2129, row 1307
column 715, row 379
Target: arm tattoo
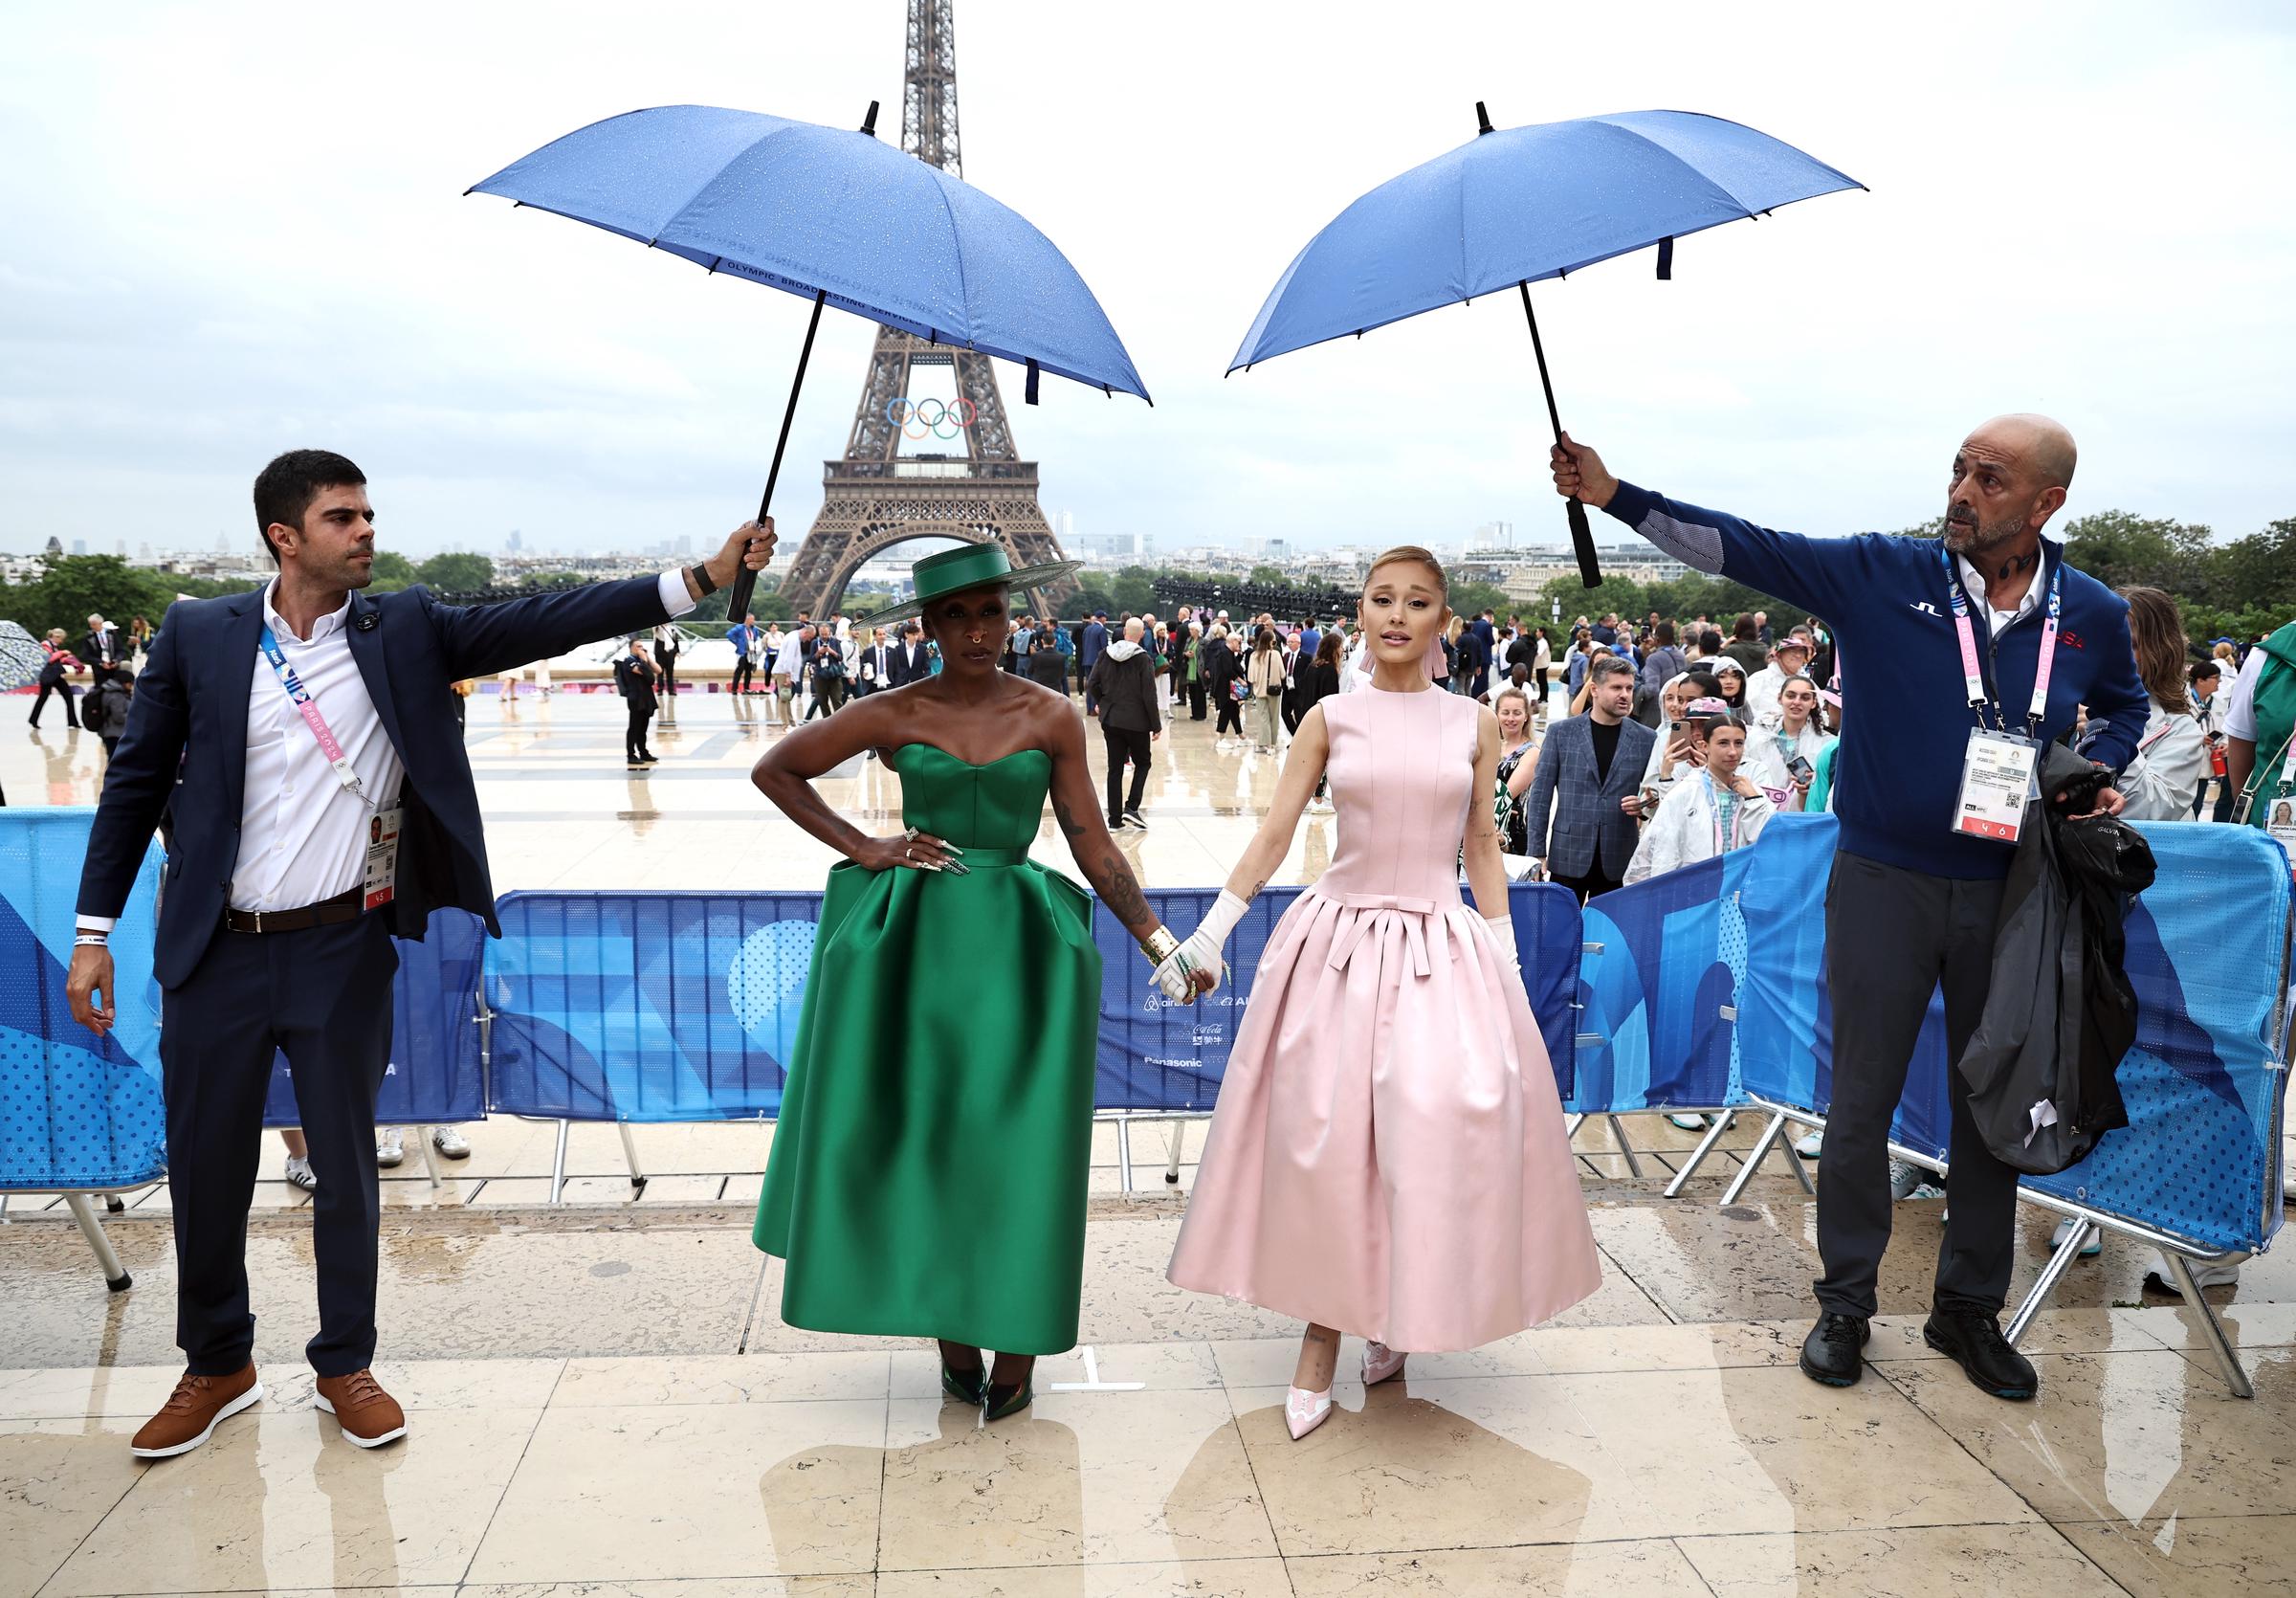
column 1110, row 877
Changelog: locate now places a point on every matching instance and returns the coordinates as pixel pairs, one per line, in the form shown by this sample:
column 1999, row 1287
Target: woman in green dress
column 929, row 1168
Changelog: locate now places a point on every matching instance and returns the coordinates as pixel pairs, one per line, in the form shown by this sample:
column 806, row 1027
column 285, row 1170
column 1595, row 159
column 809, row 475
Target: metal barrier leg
column 430, row 1156
column 630, row 1152
column 2228, row 1359
column 114, row 1204
column 1634, row 1167
column 1802, row 1174
column 557, row 1163
column 1753, row 1158
column 1571, row 1125
column 2045, row 1284
column 1706, row 1147
column 114, row 1275
column 1172, row 1167
column 1124, row 1149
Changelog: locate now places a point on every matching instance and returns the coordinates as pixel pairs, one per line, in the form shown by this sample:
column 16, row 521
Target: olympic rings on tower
column 930, row 418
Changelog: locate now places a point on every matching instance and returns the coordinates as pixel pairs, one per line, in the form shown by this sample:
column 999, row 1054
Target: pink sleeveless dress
column 1387, row 1155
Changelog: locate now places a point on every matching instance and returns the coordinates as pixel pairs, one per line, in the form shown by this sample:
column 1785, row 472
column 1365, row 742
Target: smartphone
column 1799, row 769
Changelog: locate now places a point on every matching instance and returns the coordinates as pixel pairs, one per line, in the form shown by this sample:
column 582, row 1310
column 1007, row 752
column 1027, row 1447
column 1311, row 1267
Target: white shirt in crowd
column 792, row 658
column 2240, row 715
column 302, row 835
column 1769, row 746
column 2162, row 780
column 1685, row 829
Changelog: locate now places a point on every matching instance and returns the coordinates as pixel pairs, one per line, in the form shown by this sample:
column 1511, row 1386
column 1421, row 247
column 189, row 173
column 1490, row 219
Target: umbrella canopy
column 1525, row 203
column 22, row 657
column 829, row 215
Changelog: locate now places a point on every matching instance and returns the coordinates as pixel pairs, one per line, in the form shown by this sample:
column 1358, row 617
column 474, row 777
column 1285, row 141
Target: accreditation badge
column 1997, row 778
column 382, row 856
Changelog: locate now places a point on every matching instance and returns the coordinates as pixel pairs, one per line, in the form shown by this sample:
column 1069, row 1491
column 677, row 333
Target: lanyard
column 1972, row 676
column 312, row 719
column 1738, row 814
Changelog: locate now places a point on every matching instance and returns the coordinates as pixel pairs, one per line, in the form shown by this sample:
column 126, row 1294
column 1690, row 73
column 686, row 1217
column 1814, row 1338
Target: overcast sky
column 235, row 227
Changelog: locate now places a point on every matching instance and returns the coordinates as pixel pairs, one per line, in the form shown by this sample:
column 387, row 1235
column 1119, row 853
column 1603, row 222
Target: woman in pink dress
column 1387, row 1157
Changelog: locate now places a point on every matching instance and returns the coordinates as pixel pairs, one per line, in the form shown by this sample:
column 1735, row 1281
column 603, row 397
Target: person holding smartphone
column 1717, row 809
column 1782, row 751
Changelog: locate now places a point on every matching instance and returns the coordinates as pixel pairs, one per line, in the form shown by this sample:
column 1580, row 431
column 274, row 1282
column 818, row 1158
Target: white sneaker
column 1690, row 1123
column 390, row 1146
column 2223, row 1273
column 298, row 1174
column 450, row 1142
column 1810, row 1144
column 2064, row 1234
column 1304, row 1411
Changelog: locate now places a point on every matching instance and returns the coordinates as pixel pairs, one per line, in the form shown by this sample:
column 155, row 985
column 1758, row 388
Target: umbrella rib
column 964, row 292
column 1746, row 211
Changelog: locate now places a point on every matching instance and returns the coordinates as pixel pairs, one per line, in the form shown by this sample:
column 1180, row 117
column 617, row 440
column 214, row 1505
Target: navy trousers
column 320, row 995
column 1893, row 937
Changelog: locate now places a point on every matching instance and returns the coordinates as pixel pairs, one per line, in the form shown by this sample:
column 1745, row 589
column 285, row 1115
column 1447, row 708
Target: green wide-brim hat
column 972, row 566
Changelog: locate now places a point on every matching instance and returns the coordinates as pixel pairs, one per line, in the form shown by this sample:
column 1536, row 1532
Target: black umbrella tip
column 1481, row 121
column 868, row 124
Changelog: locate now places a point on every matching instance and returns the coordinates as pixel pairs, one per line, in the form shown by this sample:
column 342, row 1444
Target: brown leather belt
column 346, row 906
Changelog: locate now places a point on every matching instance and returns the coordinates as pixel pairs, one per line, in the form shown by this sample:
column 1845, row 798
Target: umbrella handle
column 1582, row 544
column 745, row 581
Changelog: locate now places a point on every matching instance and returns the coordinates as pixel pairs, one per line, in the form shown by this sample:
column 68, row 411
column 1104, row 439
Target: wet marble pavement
column 603, row 1399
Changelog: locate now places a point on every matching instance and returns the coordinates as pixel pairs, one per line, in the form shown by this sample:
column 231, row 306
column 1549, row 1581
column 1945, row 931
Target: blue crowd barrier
column 2203, row 1083
column 648, row 1007
column 433, row 1076
column 78, row 1113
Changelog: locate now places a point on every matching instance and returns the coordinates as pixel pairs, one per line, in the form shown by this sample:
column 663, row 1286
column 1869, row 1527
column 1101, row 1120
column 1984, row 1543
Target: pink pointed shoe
column 1304, row 1411
column 1380, row 1361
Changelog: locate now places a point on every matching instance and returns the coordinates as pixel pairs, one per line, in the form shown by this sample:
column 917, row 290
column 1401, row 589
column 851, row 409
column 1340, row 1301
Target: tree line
column 2241, row 588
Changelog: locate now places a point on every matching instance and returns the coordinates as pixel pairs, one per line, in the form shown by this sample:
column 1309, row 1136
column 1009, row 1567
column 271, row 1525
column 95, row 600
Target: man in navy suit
column 303, row 737
column 910, row 661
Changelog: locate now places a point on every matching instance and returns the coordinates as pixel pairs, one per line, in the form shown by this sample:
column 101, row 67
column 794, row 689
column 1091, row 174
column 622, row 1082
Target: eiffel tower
column 876, row 497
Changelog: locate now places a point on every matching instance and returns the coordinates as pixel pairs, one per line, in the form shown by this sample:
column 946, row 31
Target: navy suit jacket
column 186, row 746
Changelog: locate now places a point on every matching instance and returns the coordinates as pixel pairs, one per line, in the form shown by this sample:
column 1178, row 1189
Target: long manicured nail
column 959, row 869
column 952, row 849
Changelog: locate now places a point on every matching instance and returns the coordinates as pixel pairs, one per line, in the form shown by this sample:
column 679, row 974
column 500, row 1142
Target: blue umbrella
column 835, row 216
column 1519, row 205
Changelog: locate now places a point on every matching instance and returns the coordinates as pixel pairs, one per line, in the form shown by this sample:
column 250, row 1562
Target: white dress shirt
column 302, row 835
column 1975, row 581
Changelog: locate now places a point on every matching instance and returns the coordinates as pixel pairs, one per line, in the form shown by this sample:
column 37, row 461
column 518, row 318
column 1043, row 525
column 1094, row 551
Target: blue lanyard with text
column 1974, row 678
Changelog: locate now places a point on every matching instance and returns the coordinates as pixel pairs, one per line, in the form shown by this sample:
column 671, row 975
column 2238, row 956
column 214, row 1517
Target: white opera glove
column 1502, row 931
column 1201, row 950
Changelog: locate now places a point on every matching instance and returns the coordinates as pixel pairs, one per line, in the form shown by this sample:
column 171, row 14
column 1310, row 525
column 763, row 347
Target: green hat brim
column 1021, row 577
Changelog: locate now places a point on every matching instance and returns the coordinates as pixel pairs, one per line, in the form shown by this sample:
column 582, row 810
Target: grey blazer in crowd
column 1586, row 815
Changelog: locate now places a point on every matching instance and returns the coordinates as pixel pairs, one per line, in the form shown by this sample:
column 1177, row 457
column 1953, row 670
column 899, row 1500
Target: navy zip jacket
column 1898, row 775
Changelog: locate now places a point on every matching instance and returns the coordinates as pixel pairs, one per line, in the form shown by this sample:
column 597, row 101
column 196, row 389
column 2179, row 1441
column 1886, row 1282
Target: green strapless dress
column 928, row 1171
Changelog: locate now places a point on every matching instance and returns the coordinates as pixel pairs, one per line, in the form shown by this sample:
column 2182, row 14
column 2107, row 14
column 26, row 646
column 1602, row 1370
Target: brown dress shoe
column 369, row 1416
column 189, row 1416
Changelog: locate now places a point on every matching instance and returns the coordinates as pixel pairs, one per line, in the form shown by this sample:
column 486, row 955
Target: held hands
column 1184, row 972
column 912, row 849
column 88, row 986
column 1579, row 474
column 1744, row 786
column 750, row 544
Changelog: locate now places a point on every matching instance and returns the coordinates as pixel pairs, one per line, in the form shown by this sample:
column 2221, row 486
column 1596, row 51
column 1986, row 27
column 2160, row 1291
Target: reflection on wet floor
column 604, row 1394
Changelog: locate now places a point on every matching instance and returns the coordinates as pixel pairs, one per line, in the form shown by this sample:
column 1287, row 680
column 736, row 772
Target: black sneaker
column 1833, row 1353
column 1973, row 1340
column 1136, row 819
